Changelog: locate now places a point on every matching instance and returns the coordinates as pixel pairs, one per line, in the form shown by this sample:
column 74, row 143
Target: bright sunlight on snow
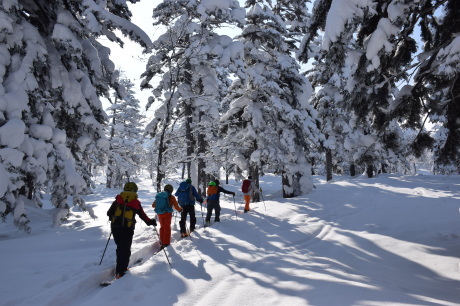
column 390, row 240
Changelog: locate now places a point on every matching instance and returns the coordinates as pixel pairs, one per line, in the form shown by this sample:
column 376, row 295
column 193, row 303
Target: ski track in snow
column 288, row 253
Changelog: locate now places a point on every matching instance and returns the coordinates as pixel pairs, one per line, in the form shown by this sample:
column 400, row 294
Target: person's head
column 217, row 182
column 188, row 181
column 169, row 188
column 250, row 177
column 130, row 186
column 212, row 183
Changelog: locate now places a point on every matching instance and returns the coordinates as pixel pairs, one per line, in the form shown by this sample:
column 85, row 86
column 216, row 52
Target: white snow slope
column 390, row 240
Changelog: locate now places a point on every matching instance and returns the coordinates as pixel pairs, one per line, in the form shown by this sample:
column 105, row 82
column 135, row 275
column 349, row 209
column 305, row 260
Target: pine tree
column 372, row 59
column 52, row 73
column 437, row 86
column 187, row 59
column 270, row 120
column 126, row 137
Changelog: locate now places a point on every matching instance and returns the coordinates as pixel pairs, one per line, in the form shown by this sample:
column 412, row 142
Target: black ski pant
column 190, row 210
column 213, row 204
column 123, row 239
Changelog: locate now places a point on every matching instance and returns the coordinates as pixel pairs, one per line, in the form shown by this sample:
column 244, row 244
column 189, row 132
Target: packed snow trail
column 389, row 240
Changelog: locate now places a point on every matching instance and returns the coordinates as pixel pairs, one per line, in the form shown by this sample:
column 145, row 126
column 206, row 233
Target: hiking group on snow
column 126, row 206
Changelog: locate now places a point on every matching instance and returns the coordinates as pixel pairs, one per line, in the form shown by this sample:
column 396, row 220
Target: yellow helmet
column 130, row 186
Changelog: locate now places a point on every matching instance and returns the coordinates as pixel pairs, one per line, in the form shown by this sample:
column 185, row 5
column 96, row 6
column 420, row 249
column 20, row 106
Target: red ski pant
column 165, row 229
column 247, row 199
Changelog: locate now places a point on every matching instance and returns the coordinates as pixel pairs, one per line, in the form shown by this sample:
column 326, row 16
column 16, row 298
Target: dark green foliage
column 423, row 142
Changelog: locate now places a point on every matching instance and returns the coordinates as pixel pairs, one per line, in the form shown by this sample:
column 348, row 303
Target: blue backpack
column 162, row 203
column 184, row 194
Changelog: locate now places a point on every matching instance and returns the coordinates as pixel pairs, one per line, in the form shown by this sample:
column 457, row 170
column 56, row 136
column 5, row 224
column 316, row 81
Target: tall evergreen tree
column 359, row 51
column 52, row 73
column 270, row 120
column 187, row 59
column 126, row 137
column 437, row 86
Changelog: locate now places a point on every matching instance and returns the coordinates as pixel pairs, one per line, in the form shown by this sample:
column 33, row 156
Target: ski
column 136, row 263
column 107, row 283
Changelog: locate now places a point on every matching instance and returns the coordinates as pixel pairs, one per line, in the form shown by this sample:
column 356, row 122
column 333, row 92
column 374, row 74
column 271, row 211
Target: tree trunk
column 328, row 165
column 162, row 146
column 285, row 183
column 188, row 120
column 183, row 171
column 109, row 183
column 226, row 166
column 370, row 171
column 202, row 146
column 384, row 168
column 254, row 172
column 352, row 170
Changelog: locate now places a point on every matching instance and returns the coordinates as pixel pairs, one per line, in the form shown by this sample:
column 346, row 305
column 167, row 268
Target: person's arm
column 196, row 195
column 140, row 211
column 111, row 210
column 221, row 189
column 173, row 201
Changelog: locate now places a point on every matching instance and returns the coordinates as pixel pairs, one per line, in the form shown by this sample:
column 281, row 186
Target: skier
column 163, row 204
column 122, row 216
column 248, row 187
column 186, row 195
column 213, row 200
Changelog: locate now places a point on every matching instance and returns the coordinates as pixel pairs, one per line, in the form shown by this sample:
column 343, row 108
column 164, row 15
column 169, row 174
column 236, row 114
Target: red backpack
column 246, row 185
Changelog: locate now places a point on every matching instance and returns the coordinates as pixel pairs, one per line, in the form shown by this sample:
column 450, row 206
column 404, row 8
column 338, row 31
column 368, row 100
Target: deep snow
column 389, row 240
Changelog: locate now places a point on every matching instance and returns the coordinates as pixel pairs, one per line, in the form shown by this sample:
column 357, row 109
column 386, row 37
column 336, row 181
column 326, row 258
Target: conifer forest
column 302, row 87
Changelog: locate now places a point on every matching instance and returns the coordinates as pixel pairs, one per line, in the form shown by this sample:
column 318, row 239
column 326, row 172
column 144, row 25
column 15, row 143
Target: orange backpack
column 212, row 192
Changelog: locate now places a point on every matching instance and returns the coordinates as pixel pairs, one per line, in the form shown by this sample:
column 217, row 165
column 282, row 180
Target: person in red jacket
column 122, row 214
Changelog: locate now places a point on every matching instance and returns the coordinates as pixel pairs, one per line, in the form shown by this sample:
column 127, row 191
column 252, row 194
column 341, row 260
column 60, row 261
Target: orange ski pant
column 165, row 229
column 247, row 199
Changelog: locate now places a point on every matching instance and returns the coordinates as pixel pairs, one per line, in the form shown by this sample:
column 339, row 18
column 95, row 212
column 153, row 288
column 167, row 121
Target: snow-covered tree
column 437, row 83
column 126, row 137
column 52, row 73
column 368, row 54
column 187, row 58
column 269, row 119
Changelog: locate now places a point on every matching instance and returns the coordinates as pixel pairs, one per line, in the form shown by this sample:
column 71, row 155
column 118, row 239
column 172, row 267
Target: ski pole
column 240, row 204
column 202, row 217
column 175, row 219
column 105, row 247
column 234, row 204
column 263, row 200
column 155, row 228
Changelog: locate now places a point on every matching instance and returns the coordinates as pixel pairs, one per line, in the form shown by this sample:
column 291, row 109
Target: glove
column 201, row 201
column 234, row 194
column 153, row 222
column 260, row 189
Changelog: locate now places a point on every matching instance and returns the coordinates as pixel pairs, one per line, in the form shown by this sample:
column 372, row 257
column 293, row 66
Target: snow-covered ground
column 390, row 240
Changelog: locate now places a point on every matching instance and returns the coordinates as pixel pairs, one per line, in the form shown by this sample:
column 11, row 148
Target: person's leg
column 217, row 211
column 192, row 218
column 161, row 218
column 183, row 219
column 210, row 207
column 123, row 239
column 165, row 231
column 247, row 199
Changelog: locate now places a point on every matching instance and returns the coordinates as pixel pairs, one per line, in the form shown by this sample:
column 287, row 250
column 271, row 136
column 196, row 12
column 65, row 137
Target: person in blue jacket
column 213, row 200
column 186, row 195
